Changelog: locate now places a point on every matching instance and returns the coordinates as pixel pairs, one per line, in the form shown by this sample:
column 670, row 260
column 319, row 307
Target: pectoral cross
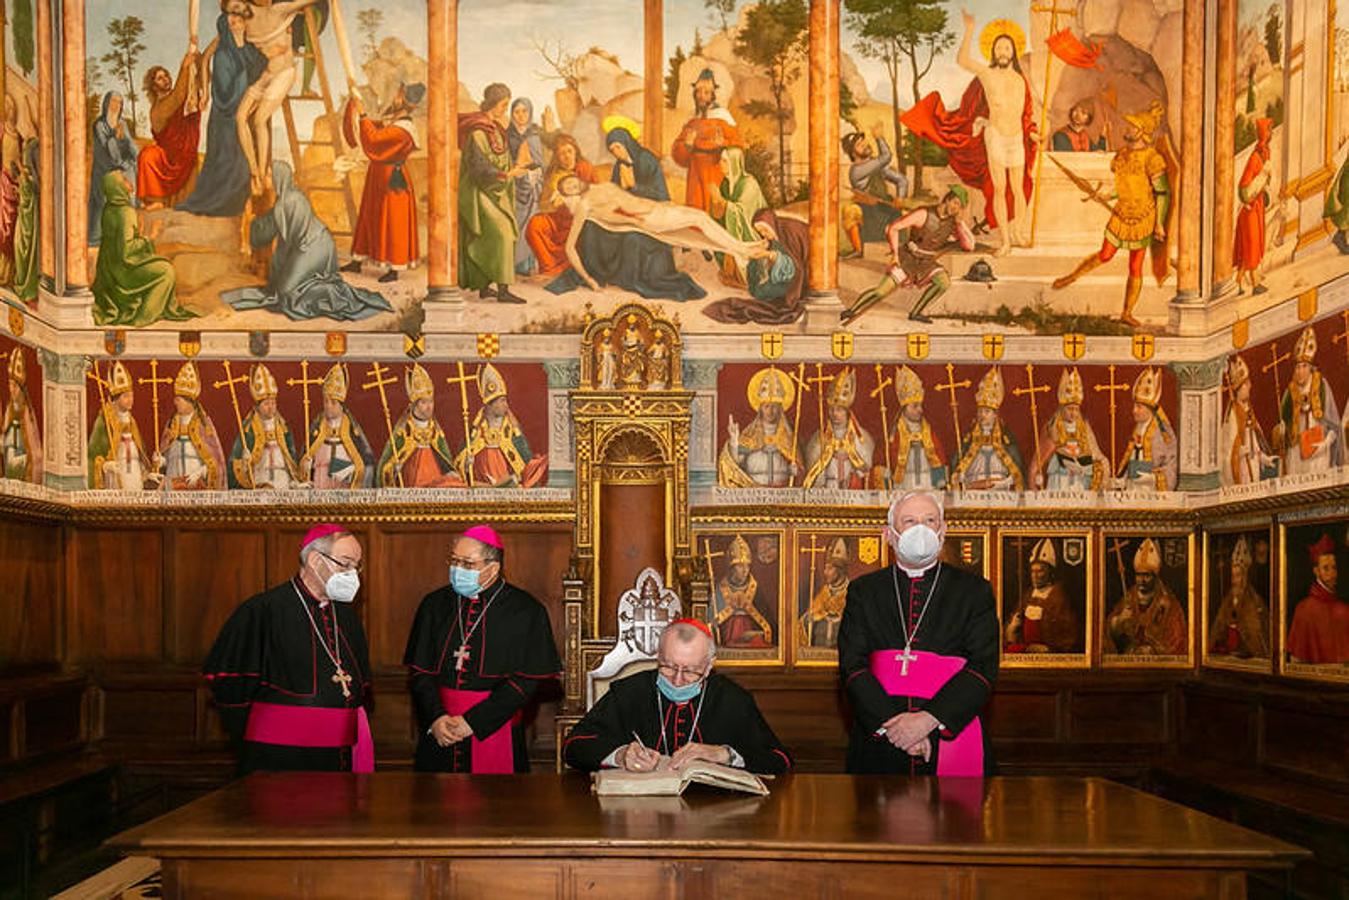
column 461, row 657
column 904, row 659
column 344, row 679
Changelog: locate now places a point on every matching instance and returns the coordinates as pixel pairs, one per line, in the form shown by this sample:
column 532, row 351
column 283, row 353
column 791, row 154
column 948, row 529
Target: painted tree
column 722, row 9
column 125, row 35
column 370, row 21
column 93, row 87
column 1274, row 36
column 672, row 78
column 774, row 39
column 902, row 34
column 24, row 46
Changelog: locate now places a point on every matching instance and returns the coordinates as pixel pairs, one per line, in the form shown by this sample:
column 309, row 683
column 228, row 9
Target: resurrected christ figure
column 268, row 28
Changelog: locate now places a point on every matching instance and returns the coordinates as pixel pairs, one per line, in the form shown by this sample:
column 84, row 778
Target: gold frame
column 1114, row 661
column 784, row 586
column 1275, row 576
column 1301, row 671
column 1082, row 659
column 828, row 658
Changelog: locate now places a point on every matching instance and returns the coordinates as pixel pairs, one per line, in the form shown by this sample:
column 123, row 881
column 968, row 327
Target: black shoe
column 1259, row 289
column 505, row 296
column 846, row 316
column 391, row 275
column 1341, row 241
column 353, row 266
column 485, row 293
column 919, row 317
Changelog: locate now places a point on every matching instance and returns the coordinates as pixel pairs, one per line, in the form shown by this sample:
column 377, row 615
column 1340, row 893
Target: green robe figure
column 26, row 263
column 417, row 454
column 263, row 455
column 488, row 230
column 132, row 284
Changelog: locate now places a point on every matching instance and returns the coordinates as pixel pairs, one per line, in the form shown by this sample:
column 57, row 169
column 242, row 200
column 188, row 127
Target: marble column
column 1200, row 388
column 1224, row 139
column 64, row 437
column 822, row 304
column 445, row 303
column 47, row 140
column 653, row 73
column 1190, row 211
column 564, row 376
column 700, row 376
column 74, row 140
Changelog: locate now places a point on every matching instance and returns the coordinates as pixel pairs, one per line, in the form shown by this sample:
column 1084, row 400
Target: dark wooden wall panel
column 149, row 713
column 1134, row 717
column 405, row 566
column 30, row 557
column 115, row 608
column 1024, row 715
column 1307, row 743
column 212, row 572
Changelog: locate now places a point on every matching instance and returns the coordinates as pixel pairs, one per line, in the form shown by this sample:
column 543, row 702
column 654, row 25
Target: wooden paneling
column 1130, row 717
column 1218, row 727
column 211, row 573
column 115, row 606
column 53, row 721
column 1023, row 715
column 30, row 557
column 151, row 714
column 1308, row 743
column 404, row 566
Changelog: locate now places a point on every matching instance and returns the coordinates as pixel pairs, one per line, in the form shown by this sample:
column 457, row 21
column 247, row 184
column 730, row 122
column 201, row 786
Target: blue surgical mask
column 464, row 581
column 675, row 694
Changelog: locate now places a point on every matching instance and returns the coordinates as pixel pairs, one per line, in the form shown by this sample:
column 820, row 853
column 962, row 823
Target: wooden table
column 405, row 835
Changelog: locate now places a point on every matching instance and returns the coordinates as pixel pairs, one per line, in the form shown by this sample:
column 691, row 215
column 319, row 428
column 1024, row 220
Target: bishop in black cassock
column 635, row 720
column 290, row 671
column 947, row 619
column 478, row 651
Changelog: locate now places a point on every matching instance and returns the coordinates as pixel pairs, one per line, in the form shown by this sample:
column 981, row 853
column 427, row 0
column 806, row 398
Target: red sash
column 961, row 756
column 494, row 754
column 314, row 726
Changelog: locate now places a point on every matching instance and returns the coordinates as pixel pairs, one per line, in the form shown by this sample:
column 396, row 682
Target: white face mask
column 341, row 587
column 917, row 548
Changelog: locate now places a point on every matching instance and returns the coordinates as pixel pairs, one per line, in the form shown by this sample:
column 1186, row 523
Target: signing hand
column 692, row 752
column 636, row 758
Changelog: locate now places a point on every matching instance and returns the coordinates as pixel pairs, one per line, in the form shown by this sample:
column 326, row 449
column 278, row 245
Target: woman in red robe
column 386, row 226
column 1249, row 249
column 547, row 230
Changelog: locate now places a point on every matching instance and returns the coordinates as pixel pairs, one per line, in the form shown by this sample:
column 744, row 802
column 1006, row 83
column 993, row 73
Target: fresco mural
column 258, row 165
column 21, row 451
column 1282, row 408
column 1000, row 157
column 20, row 175
column 961, row 427
column 345, row 425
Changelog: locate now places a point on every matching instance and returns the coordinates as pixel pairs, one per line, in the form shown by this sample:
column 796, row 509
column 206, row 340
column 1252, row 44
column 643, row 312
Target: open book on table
column 666, row 782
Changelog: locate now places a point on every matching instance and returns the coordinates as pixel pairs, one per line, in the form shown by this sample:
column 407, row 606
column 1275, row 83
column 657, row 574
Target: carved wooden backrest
column 643, row 612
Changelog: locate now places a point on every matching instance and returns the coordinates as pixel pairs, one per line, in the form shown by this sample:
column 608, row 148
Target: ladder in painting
column 314, row 52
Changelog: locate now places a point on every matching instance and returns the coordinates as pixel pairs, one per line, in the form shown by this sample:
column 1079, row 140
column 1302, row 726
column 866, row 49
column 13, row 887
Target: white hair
column 936, row 497
column 322, row 545
column 685, row 633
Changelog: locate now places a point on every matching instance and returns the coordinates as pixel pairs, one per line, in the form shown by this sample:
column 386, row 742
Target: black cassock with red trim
column 958, row 619
column 510, row 652
column 728, row 716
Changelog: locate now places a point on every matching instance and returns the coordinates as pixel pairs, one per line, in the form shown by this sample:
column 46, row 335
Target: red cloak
column 1320, row 630
column 1249, row 242
column 164, row 167
column 703, row 159
column 386, row 226
column 953, row 131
